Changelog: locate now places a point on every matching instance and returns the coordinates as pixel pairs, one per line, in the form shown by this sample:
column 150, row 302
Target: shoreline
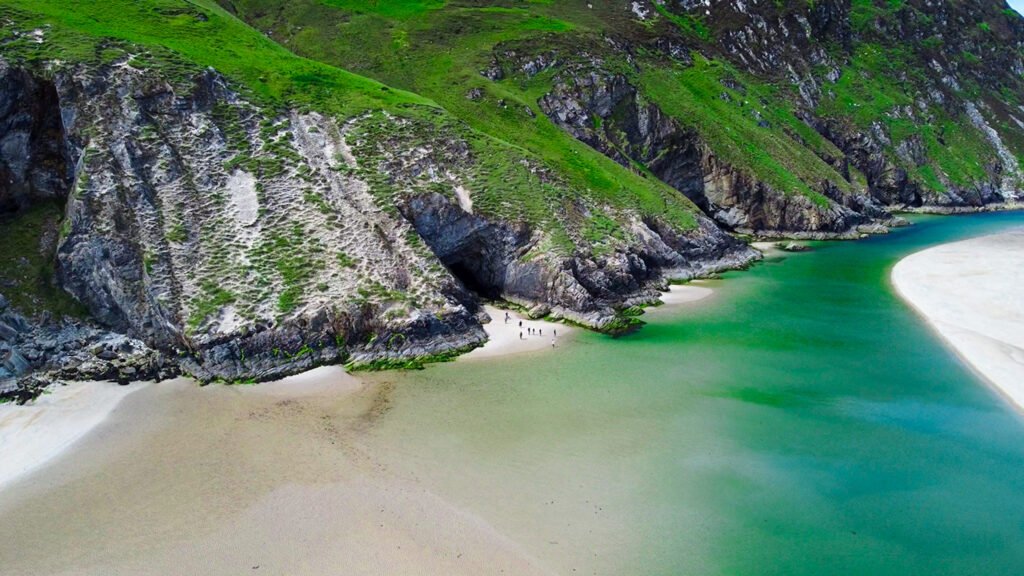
column 511, row 337
column 693, row 291
column 290, row 457
column 503, row 339
column 967, row 291
column 40, row 432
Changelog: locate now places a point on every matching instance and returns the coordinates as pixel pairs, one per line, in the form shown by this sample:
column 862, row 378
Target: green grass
column 693, row 95
column 389, row 8
column 425, row 55
column 184, row 37
column 877, row 83
column 439, row 53
column 444, row 48
column 690, row 25
column 214, row 298
column 427, row 47
column 27, row 263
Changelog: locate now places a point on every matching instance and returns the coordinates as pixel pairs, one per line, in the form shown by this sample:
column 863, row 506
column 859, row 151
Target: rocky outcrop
column 33, row 160
column 608, row 113
column 239, row 243
column 229, row 238
column 491, row 258
column 37, row 351
column 886, row 164
column 938, row 48
column 232, row 231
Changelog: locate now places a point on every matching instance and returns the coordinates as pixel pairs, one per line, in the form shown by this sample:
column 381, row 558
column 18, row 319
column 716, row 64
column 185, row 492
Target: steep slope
column 779, row 118
column 249, row 213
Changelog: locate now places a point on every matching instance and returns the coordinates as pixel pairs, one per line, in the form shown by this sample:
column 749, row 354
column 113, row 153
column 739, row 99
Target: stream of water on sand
column 803, row 420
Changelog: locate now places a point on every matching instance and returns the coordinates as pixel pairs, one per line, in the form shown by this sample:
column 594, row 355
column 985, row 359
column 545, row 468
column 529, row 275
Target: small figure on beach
column 552, row 342
column 540, row 332
column 520, row 334
column 520, row 323
column 506, row 317
column 555, row 330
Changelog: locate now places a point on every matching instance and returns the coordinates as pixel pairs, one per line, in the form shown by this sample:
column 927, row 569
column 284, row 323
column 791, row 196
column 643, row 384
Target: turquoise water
column 802, row 421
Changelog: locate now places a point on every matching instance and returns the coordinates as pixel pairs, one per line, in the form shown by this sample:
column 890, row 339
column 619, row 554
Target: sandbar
column 970, row 292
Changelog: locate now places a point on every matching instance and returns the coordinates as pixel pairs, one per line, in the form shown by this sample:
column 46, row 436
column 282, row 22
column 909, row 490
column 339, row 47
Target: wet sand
column 271, row 479
column 282, row 477
column 970, row 292
column 505, row 338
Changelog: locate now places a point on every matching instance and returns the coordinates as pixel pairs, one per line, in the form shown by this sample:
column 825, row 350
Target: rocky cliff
column 183, row 193
column 891, row 95
column 228, row 236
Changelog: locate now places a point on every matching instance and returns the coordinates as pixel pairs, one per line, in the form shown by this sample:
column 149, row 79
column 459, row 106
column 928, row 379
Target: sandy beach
column 503, row 337
column 275, row 480
column 970, row 292
column 33, row 434
column 686, row 293
column 281, row 477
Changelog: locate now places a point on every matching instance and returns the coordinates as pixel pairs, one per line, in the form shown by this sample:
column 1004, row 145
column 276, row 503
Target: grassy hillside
column 181, row 37
column 438, row 49
column 520, row 168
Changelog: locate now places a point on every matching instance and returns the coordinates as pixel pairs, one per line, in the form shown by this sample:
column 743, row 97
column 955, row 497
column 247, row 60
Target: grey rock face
column 632, row 130
column 33, row 161
column 487, row 257
column 234, row 243
column 787, row 42
column 229, row 239
column 36, row 352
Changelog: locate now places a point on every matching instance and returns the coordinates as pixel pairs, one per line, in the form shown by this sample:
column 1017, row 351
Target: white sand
column 766, row 247
column 503, row 337
column 283, row 477
column 31, row 435
column 971, row 292
column 686, row 293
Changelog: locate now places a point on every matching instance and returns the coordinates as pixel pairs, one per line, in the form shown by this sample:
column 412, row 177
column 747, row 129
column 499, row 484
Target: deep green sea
column 801, row 421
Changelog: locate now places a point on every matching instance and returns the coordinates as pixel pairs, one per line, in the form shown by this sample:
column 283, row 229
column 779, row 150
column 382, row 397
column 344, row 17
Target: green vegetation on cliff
column 180, row 38
column 26, row 262
column 438, row 49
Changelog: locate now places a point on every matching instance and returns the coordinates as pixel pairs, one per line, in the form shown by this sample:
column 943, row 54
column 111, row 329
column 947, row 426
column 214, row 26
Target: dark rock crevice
column 34, row 162
column 488, row 259
column 475, row 250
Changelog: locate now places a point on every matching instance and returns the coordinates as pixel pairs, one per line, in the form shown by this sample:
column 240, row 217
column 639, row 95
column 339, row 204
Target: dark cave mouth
column 474, row 279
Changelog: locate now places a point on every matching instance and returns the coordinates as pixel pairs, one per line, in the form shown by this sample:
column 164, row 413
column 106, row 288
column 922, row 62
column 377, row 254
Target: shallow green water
column 803, row 421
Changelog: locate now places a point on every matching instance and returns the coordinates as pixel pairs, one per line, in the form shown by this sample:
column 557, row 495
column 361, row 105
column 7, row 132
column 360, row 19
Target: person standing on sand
column 556, row 332
column 552, row 342
column 520, row 334
column 520, row 324
column 506, row 317
column 540, row 332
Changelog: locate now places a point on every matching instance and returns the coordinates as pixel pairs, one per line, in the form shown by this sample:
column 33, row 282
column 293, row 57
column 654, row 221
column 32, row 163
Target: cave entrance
column 474, row 277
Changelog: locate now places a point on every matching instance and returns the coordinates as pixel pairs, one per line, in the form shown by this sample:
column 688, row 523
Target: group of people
column 531, row 331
